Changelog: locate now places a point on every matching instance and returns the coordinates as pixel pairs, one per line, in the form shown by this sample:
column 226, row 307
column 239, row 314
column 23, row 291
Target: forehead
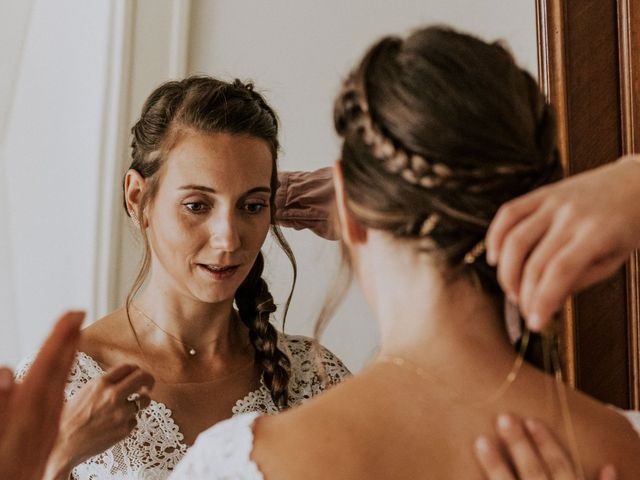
column 219, row 160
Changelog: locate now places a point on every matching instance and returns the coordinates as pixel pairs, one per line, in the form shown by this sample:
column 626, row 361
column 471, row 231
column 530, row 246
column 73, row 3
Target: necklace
column 425, row 375
column 191, row 349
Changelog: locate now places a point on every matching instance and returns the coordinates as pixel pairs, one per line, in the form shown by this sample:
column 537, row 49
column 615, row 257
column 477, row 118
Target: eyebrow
column 202, row 188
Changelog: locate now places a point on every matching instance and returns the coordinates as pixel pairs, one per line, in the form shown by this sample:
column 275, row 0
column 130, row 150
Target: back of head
column 440, row 129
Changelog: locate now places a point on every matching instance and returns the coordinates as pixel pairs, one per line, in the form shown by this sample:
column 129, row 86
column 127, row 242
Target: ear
column 352, row 231
column 134, row 188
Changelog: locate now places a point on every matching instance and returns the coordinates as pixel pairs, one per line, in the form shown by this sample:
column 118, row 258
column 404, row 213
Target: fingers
column 508, row 216
column 51, row 367
column 44, row 383
column 554, row 241
column 516, row 247
column 544, row 291
column 491, row 461
column 134, row 382
column 119, row 373
column 608, row 472
column 553, row 456
column 600, row 271
column 521, row 450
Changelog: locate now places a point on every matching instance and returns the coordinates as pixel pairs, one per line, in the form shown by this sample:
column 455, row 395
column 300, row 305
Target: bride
column 200, row 191
column 439, row 130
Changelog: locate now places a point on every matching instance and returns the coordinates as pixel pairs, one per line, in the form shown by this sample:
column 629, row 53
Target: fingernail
column 609, row 473
column 505, row 422
column 482, row 445
column 534, row 321
column 491, row 258
column 6, row 379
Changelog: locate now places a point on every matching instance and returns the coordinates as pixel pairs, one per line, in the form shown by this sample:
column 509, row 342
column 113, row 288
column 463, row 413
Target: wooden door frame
column 589, row 68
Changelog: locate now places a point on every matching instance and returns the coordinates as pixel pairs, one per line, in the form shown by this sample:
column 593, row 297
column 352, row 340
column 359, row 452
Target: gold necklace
column 191, row 350
column 425, row 375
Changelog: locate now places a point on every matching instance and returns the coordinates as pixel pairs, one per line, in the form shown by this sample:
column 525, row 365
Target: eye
column 196, row 207
column 254, row 208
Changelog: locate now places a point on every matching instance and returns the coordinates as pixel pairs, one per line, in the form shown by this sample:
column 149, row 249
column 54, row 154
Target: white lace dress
column 155, row 446
column 223, row 452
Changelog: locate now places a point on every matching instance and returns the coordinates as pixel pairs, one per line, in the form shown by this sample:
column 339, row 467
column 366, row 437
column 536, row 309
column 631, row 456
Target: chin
column 213, row 295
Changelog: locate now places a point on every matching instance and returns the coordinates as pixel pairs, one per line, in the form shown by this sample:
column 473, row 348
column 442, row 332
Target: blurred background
column 74, row 76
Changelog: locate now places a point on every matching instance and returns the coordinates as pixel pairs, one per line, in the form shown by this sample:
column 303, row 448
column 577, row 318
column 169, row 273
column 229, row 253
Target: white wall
column 297, row 52
column 50, row 154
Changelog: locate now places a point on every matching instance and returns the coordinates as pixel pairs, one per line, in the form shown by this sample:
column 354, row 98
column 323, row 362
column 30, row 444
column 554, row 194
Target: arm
column 306, row 200
column 30, row 410
column 565, row 237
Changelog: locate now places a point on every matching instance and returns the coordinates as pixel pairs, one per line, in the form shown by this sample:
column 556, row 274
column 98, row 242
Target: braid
column 255, row 306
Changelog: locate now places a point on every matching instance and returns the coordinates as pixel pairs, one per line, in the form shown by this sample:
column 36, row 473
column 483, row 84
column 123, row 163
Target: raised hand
column 30, row 410
column 566, row 236
column 98, row 416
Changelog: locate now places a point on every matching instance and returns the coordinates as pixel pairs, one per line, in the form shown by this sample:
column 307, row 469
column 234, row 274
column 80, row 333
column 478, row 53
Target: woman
column 440, row 129
column 200, row 190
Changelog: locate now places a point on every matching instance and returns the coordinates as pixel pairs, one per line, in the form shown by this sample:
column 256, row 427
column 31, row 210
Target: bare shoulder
column 607, row 433
column 324, row 434
column 108, row 340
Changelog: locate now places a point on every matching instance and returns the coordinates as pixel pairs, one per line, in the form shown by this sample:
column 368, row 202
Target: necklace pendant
column 192, row 352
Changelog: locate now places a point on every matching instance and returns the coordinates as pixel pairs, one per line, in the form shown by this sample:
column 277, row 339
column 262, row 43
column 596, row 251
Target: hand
column 99, row 416
column 30, row 410
column 533, row 451
column 306, row 200
column 565, row 237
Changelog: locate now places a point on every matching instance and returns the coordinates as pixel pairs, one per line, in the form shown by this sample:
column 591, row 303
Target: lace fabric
column 155, row 446
column 222, row 452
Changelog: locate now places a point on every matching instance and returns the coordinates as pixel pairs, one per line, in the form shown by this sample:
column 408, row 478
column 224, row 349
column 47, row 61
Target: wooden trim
column 550, row 31
column 629, row 49
column 633, row 273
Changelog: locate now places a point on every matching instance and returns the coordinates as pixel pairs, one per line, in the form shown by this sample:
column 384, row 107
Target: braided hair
column 209, row 105
column 441, row 129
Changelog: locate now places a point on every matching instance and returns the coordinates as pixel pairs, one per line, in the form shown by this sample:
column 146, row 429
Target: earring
column 134, row 218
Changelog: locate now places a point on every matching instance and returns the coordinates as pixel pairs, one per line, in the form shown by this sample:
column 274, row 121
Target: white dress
column 223, row 452
column 155, row 446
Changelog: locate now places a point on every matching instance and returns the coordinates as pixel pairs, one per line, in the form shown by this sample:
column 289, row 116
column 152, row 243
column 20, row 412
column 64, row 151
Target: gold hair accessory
column 473, row 254
column 429, row 224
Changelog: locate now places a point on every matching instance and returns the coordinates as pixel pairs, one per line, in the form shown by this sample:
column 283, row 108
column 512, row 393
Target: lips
column 218, row 272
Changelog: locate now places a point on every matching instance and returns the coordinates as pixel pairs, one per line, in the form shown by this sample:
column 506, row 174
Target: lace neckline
column 167, row 413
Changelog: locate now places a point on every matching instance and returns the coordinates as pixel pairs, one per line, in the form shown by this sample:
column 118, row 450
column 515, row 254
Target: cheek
column 175, row 233
column 255, row 233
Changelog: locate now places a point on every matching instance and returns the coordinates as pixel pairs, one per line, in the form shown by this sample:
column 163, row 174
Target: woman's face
column 211, row 214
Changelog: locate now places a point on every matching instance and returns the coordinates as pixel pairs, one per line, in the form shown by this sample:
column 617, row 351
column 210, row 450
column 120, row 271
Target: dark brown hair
column 439, row 130
column 207, row 105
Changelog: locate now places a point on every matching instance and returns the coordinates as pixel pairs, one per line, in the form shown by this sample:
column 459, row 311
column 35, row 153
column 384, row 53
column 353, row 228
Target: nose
column 224, row 231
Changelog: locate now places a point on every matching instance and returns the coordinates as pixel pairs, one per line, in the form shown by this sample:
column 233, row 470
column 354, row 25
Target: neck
column 442, row 325
column 171, row 321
